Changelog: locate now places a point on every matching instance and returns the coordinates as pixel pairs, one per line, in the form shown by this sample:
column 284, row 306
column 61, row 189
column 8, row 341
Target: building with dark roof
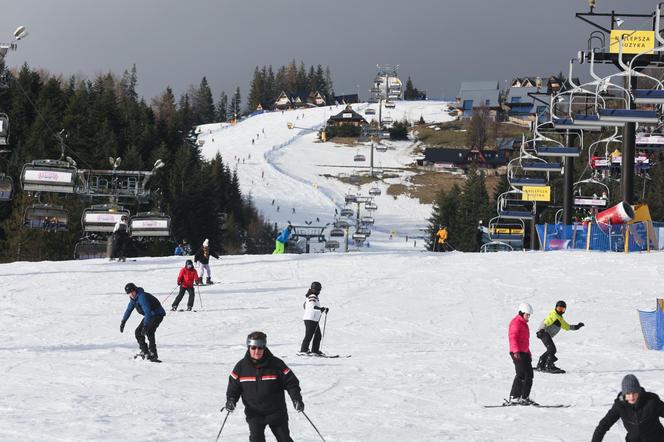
column 347, row 117
column 475, row 95
column 451, row 158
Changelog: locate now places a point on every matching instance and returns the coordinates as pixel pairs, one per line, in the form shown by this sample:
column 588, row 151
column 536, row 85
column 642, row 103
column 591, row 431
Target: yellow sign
column 532, row 193
column 634, row 42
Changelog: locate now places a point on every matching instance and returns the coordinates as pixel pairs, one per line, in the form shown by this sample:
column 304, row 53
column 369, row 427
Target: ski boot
column 199, row 281
column 528, row 401
column 174, row 308
column 208, row 280
column 142, row 355
column 551, row 368
column 512, row 401
column 188, row 308
column 317, row 353
column 152, row 357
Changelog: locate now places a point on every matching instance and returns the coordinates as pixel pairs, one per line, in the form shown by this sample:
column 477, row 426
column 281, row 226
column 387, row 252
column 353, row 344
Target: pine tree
column 203, row 104
column 409, row 93
column 235, row 107
column 222, row 108
column 444, row 214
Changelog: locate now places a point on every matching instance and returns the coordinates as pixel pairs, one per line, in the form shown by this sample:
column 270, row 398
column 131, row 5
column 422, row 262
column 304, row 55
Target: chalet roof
column 348, row 114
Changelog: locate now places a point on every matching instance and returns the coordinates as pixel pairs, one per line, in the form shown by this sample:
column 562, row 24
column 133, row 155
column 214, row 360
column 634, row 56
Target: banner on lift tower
column 536, row 193
column 634, row 42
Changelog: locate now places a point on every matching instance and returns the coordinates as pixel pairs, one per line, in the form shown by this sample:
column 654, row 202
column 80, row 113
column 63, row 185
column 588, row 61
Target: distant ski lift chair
column 46, row 217
column 102, row 218
column 337, row 232
column 389, row 105
column 496, row 246
column 370, row 111
column 380, row 148
column 6, row 187
column 369, row 220
column 347, row 212
column 512, row 208
column 585, row 199
column 387, row 119
column 370, row 206
column 341, row 223
column 87, row 248
column 150, row 224
column 331, row 245
column 364, row 231
column 49, row 176
column 4, row 129
column 374, row 191
column 350, row 198
column 359, row 238
column 359, row 158
column 510, row 231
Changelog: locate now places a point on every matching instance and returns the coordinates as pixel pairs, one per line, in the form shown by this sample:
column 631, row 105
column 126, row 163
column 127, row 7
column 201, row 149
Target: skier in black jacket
column 639, row 410
column 202, row 257
column 261, row 378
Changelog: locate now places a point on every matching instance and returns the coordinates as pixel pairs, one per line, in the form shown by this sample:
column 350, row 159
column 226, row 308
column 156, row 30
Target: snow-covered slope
column 427, row 334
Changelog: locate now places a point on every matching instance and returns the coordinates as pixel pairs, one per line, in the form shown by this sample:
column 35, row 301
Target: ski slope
column 427, row 334
column 300, row 174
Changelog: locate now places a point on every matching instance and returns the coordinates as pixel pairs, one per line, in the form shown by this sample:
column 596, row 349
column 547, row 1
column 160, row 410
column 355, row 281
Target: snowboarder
column 282, row 239
column 546, row 331
column 311, row 317
column 519, row 338
column 261, row 378
column 639, row 410
column 120, row 238
column 153, row 313
column 186, row 279
column 202, row 257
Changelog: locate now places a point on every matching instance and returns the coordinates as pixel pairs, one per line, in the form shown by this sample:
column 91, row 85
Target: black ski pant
column 178, row 298
column 257, row 426
column 549, row 356
column 120, row 246
column 312, row 330
column 150, row 330
column 523, row 380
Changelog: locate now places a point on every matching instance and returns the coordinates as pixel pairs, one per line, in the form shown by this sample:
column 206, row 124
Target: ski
column 507, row 405
column 314, row 355
column 183, row 310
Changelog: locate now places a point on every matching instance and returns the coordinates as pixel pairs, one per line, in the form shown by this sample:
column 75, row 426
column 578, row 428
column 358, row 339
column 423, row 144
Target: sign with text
column 536, row 193
column 634, row 42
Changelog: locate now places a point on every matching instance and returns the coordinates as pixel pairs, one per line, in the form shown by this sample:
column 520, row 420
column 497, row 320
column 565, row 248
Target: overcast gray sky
column 439, row 43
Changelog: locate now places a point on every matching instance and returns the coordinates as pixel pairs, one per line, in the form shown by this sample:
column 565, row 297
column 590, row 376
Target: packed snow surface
column 427, row 334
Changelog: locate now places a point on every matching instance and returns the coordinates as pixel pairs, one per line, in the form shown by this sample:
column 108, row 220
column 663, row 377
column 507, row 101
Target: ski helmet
column 524, row 307
column 562, row 304
column 189, row 262
column 130, row 287
column 257, row 339
column 316, row 287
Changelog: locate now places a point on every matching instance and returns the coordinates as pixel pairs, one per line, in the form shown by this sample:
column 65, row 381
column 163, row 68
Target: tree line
column 104, row 117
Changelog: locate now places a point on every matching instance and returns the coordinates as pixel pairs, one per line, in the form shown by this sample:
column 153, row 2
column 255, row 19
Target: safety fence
column 634, row 237
column 652, row 326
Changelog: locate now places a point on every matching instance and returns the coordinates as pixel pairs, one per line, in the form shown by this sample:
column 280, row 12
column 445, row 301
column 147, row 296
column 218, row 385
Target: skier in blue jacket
column 153, row 313
column 282, row 239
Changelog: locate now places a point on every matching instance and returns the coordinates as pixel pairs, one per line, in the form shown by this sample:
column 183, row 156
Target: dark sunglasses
column 254, row 347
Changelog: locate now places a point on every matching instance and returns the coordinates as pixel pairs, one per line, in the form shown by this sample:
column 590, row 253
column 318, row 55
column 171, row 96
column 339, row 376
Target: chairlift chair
column 511, row 231
column 347, row 212
column 341, row 223
column 331, row 244
column 354, row 178
column 102, row 218
column 6, row 187
column 350, row 198
column 387, row 119
column 46, row 217
column 4, row 129
column 364, row 231
column 359, row 158
column 150, row 224
column 370, row 206
column 511, row 208
column 370, row 111
column 369, row 220
column 49, row 176
column 389, row 105
column 359, row 237
column 380, row 148
column 496, row 246
column 87, row 248
column 375, row 191
column 337, row 232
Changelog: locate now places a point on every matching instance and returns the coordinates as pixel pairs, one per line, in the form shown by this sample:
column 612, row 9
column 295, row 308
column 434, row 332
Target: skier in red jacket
column 186, row 279
column 519, row 336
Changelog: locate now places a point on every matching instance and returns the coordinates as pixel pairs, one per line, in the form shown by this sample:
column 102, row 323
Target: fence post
column 590, row 226
column 626, row 238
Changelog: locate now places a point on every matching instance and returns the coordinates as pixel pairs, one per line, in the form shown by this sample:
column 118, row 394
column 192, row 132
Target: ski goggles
column 256, row 343
column 255, row 347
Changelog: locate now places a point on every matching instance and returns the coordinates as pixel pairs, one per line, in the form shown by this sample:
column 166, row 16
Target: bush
column 399, row 131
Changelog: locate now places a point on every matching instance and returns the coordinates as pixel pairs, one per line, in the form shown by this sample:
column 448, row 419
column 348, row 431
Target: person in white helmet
column 519, row 338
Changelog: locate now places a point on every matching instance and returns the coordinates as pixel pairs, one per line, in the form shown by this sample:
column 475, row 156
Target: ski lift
column 370, row 206
column 337, row 232
column 347, row 212
column 359, row 158
column 370, row 111
column 359, row 237
column 354, row 178
column 102, row 218
column 512, row 208
column 389, row 105
column 46, row 217
column 496, row 246
column 387, row 119
column 148, row 224
column 341, row 223
column 364, row 231
column 508, row 231
column 6, row 187
column 380, row 148
column 374, row 191
column 49, row 176
column 369, row 220
column 4, row 129
column 350, row 198
column 331, row 244
column 87, row 248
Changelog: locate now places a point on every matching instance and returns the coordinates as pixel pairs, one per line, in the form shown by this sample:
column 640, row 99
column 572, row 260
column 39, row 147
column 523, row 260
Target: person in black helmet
column 311, row 317
column 153, row 313
column 261, row 378
column 186, row 279
column 547, row 330
column 120, row 239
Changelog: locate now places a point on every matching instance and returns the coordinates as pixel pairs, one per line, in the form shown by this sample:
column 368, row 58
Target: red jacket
column 519, row 335
column 187, row 277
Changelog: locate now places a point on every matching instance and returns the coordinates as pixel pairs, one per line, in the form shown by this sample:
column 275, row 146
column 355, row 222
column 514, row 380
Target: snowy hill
column 427, row 334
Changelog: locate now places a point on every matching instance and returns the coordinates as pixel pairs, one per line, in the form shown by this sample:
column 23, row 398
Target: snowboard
column 507, row 405
column 313, row 355
column 143, row 358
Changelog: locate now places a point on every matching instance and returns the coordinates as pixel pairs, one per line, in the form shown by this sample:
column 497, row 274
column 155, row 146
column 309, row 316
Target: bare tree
column 478, row 132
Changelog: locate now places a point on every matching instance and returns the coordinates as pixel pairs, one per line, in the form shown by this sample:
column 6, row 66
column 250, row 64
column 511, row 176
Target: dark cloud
column 438, row 42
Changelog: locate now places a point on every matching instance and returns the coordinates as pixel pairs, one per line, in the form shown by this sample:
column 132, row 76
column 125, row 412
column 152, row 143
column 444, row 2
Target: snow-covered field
column 427, row 334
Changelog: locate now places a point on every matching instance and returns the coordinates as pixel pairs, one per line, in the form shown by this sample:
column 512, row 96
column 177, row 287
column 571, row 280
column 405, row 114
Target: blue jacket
column 179, row 251
column 284, row 235
column 145, row 304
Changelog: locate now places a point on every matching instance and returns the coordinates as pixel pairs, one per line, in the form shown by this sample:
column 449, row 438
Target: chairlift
column 87, row 248
column 359, row 158
column 148, row 224
column 584, row 199
column 389, row 105
column 370, row 206
column 359, row 237
column 375, row 191
column 510, row 231
column 354, row 178
column 4, row 129
column 347, row 212
column 102, row 218
column 46, row 217
column 350, row 198
column 496, row 246
column 370, row 111
column 369, row 220
column 331, row 244
column 364, row 231
column 511, row 208
column 387, row 119
column 380, row 148
column 341, row 223
column 337, row 232
column 629, row 116
column 49, row 176
column 6, row 187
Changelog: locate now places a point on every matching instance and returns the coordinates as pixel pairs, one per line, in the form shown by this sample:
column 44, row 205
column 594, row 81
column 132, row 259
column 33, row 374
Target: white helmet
column 524, row 307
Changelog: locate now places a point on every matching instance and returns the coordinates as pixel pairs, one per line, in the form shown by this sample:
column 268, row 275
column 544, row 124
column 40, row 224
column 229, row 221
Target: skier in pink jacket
column 519, row 337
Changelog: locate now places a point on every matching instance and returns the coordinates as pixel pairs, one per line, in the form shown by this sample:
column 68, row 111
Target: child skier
column 547, row 330
column 312, row 314
column 202, row 257
column 186, row 279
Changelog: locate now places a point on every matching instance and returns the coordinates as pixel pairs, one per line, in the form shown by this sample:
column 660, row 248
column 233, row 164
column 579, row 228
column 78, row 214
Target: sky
column 439, row 43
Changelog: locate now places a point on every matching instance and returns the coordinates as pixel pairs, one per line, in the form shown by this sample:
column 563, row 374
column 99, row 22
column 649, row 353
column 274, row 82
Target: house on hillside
column 347, row 117
column 520, row 105
column 346, row 99
column 459, row 158
column 283, row 102
column 316, row 99
column 474, row 95
column 286, row 101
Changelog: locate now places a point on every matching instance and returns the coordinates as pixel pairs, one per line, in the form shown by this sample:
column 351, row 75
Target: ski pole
column 324, row 325
column 169, row 295
column 224, row 422
column 200, row 299
column 312, row 424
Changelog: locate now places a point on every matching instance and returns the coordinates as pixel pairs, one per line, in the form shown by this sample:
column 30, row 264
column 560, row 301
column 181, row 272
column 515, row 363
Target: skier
column 547, row 330
column 153, row 313
column 260, row 378
column 519, row 338
column 120, row 238
column 311, row 317
column 202, row 257
column 282, row 239
column 179, row 251
column 186, row 248
column 442, row 238
column 186, row 279
column 639, row 410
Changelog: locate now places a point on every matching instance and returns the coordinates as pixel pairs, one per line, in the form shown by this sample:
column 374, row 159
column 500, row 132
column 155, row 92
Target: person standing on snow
column 120, row 238
column 202, row 257
column 547, row 330
column 519, row 338
column 261, row 378
column 311, row 317
column 639, row 410
column 153, row 313
column 282, row 239
column 186, row 279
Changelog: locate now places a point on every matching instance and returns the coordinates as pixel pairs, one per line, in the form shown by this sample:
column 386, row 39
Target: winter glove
column 516, row 356
column 230, row 405
column 325, row 310
column 577, row 326
column 539, row 333
column 122, row 324
column 299, row 405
